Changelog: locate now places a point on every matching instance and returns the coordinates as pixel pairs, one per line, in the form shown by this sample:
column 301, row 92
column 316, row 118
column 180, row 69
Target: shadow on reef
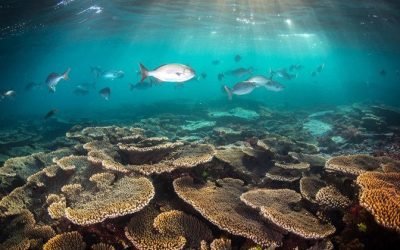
column 235, row 178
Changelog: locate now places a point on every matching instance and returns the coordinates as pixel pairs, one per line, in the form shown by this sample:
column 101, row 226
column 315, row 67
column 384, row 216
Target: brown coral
column 188, row 156
column 281, row 207
column 283, row 174
column 56, row 209
column 221, row 205
column 353, row 164
column 102, row 246
column 103, row 180
column 330, row 197
column 66, row 241
column 309, row 186
column 127, row 195
column 22, row 232
column 380, row 195
column 176, row 222
column 221, row 244
column 141, row 233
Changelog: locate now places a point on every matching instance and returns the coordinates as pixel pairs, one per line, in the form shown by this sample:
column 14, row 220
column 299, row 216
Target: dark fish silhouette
column 382, row 72
column 105, row 93
column 140, row 86
column 216, row 62
column 238, row 58
column 32, row 85
column 50, row 113
column 240, row 72
column 220, row 77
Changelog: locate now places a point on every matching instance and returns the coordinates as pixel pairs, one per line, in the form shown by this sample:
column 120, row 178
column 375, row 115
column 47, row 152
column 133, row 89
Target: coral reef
column 280, row 206
column 380, row 195
column 227, row 178
column 220, row 204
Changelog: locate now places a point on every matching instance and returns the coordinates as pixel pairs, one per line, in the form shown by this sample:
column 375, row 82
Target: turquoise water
column 355, row 41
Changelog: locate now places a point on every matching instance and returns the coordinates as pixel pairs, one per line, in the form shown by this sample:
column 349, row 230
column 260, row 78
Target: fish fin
column 228, row 91
column 143, row 71
column 66, row 74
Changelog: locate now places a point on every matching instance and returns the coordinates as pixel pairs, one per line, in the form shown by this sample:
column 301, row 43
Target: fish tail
column 66, row 74
column 143, row 71
column 228, row 91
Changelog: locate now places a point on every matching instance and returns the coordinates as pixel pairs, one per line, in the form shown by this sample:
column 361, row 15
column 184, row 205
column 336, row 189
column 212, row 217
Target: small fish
column 239, row 72
column 113, row 74
column 382, row 72
column 96, row 71
column 295, row 67
column 314, row 73
column 320, row 68
column 9, row 93
column 50, row 113
column 32, row 85
column 105, row 93
column 237, row 58
column 262, row 81
column 169, row 73
column 81, row 90
column 216, row 62
column 282, row 73
column 240, row 88
column 140, row 86
column 54, row 78
column 220, row 76
column 202, row 76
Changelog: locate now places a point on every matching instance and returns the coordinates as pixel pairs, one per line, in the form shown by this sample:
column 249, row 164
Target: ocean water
column 357, row 42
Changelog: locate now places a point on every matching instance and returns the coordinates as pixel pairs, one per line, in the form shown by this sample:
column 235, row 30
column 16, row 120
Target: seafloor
column 232, row 177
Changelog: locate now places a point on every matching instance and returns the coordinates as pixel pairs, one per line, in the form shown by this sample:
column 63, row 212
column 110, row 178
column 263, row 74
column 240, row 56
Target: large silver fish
column 240, row 88
column 173, row 72
column 262, row 81
column 54, row 78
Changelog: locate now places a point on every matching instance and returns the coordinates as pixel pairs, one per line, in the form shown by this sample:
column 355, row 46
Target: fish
column 96, row 71
column 282, row 73
column 269, row 84
column 216, row 62
column 8, row 94
column 295, row 67
column 382, row 72
column 240, row 88
column 240, row 72
column 140, row 86
column 81, row 90
column 173, row 72
column 32, row 85
column 113, row 74
column 105, row 93
column 320, row 68
column 54, row 78
column 220, row 76
column 202, row 76
column 237, row 58
column 50, row 113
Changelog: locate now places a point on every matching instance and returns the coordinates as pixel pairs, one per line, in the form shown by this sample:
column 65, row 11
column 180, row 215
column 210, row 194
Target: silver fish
column 8, row 94
column 240, row 88
column 173, row 72
column 262, row 81
column 54, row 78
column 113, row 74
column 282, row 73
